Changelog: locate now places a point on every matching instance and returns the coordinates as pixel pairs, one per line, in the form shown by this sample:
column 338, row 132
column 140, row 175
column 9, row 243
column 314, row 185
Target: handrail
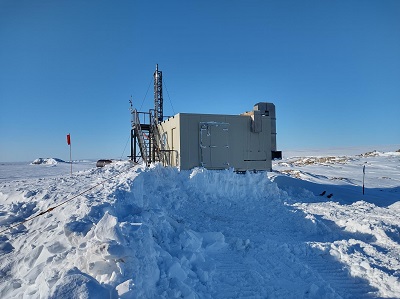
column 157, row 144
column 139, row 133
column 156, row 135
column 161, row 147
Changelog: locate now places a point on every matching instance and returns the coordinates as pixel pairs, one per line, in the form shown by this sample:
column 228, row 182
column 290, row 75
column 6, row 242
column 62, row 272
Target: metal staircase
column 161, row 149
column 145, row 134
column 144, row 143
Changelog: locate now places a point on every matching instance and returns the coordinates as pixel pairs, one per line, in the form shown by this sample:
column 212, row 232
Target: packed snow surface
column 304, row 230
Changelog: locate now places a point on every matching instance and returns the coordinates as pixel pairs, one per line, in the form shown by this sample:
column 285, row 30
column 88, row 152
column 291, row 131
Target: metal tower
column 146, row 141
column 158, row 96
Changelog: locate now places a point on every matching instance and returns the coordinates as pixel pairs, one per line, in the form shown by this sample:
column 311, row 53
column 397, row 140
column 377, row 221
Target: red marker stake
column 70, row 156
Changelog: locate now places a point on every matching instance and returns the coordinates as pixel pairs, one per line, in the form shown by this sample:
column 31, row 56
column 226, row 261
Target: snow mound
column 47, row 161
column 163, row 233
column 376, row 153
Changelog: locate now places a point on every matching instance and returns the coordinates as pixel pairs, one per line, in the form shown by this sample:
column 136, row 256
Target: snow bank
column 163, row 233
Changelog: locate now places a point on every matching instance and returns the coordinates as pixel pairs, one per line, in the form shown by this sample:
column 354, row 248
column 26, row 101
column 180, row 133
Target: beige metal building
column 243, row 142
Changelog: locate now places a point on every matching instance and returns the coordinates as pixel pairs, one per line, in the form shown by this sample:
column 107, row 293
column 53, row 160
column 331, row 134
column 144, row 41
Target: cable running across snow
column 64, row 202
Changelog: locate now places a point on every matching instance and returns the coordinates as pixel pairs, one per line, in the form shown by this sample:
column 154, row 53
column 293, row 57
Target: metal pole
column 70, row 157
column 69, row 143
column 132, row 144
column 363, row 177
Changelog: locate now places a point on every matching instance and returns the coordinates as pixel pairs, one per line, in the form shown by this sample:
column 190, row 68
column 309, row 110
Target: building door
column 214, row 145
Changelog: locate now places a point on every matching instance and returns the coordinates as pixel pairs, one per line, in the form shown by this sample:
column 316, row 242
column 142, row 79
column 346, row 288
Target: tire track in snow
column 338, row 277
column 239, row 272
column 275, row 262
column 234, row 277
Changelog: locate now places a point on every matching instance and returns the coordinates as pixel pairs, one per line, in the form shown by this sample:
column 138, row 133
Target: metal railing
column 138, row 130
column 153, row 148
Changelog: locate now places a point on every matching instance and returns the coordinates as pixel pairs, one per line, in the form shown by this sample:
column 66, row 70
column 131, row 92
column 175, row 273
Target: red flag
column 69, row 139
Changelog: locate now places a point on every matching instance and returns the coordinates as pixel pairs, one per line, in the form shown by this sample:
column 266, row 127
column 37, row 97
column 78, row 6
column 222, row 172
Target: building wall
column 170, row 132
column 218, row 141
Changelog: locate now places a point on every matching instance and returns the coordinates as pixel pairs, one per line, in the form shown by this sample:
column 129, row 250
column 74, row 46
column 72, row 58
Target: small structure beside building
column 103, row 162
column 213, row 141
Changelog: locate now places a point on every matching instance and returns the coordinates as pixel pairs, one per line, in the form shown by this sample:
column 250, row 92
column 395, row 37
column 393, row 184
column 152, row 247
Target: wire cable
column 151, row 80
column 125, row 148
column 64, row 202
column 173, row 110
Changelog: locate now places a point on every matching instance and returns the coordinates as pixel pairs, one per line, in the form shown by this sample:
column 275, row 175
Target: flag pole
column 70, row 155
column 363, row 177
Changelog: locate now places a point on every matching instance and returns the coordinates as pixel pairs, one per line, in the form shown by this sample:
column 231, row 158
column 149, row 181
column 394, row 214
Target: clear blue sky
column 332, row 68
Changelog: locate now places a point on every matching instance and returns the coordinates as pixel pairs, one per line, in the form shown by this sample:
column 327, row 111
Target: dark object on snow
column 330, row 195
column 323, row 193
column 103, row 162
column 276, row 155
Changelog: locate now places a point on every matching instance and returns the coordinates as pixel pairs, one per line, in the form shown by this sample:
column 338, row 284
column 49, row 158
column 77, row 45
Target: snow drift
column 163, row 233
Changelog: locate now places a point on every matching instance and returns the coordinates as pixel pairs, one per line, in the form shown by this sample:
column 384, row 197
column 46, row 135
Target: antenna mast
column 158, row 96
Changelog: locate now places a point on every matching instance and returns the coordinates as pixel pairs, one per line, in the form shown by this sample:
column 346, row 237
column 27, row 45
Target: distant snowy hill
column 304, row 230
column 47, row 161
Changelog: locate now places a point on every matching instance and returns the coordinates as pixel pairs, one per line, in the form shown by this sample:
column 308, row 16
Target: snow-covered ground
column 41, row 168
column 163, row 233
